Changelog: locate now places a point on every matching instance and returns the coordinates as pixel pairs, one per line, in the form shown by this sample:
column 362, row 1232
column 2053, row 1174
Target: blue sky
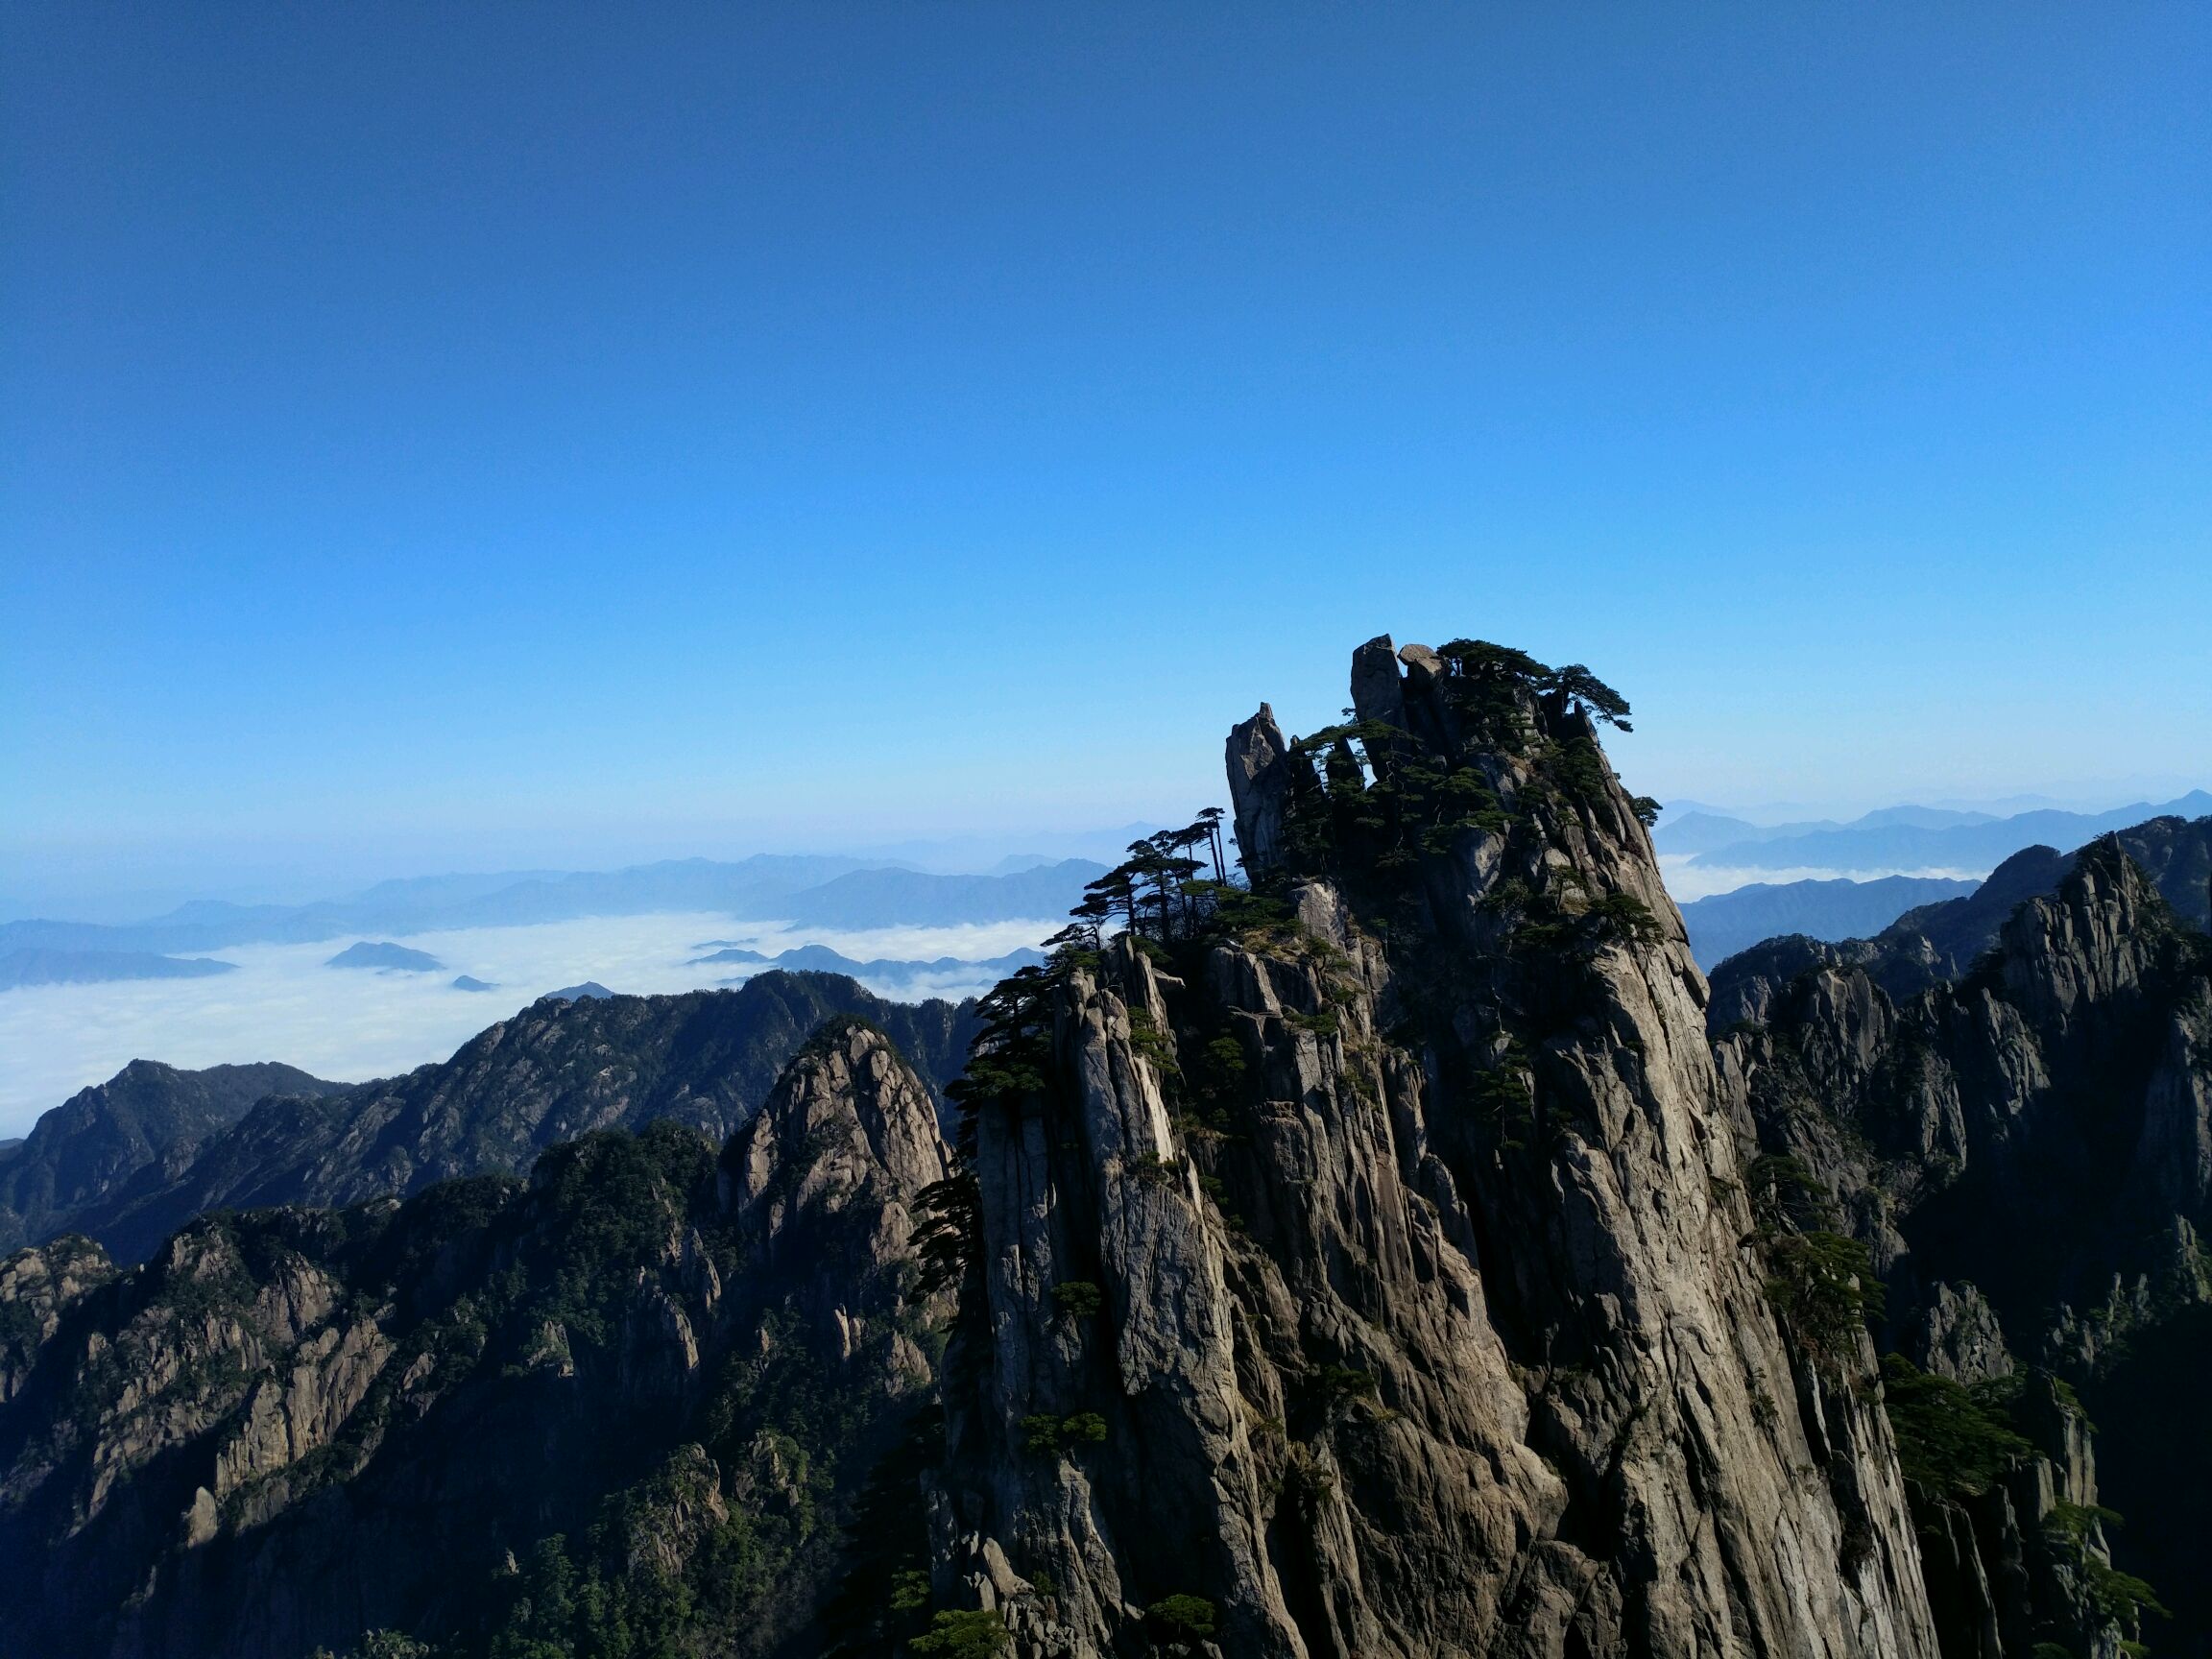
column 458, row 435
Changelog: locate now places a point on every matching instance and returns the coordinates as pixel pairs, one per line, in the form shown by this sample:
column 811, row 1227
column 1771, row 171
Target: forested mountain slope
column 625, row 1401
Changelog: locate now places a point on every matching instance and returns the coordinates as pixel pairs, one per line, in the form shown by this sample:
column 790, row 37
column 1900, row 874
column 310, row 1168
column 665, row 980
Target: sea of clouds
column 347, row 1024
column 1687, row 880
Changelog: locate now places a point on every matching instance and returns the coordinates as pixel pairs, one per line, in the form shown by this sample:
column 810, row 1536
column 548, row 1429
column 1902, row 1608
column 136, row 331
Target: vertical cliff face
column 2025, row 1150
column 636, row 1393
column 1370, row 1271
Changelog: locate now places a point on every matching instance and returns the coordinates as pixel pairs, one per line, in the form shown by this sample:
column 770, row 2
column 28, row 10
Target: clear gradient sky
column 462, row 436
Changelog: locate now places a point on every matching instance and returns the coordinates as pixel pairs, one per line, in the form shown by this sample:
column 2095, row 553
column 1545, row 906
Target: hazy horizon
column 81, row 889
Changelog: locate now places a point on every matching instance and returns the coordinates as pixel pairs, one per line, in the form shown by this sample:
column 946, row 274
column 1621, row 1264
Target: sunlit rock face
column 1414, row 1310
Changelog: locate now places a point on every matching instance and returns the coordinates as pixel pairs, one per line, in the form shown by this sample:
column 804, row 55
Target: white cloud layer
column 1687, row 880
column 282, row 1003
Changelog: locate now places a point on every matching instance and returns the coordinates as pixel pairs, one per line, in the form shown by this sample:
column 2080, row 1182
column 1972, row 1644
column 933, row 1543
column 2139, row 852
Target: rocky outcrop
column 2010, row 1564
column 37, row 1288
column 1957, row 1335
column 1259, row 790
column 823, row 1186
column 648, row 1372
column 1382, row 1276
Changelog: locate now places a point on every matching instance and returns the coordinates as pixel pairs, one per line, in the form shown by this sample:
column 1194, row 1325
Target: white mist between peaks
column 283, row 1004
column 1687, row 880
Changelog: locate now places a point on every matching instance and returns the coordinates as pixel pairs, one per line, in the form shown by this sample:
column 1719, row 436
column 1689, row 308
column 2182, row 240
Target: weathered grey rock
column 1378, row 1375
column 1958, row 1336
column 1259, row 790
column 1424, row 669
column 823, row 1183
column 1376, row 693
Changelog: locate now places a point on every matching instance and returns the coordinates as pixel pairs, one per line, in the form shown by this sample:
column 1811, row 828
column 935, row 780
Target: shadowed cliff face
column 294, row 1425
column 146, row 1123
column 1374, row 1265
column 2028, row 1151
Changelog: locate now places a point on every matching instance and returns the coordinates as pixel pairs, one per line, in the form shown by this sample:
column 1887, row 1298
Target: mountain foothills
column 1400, row 1250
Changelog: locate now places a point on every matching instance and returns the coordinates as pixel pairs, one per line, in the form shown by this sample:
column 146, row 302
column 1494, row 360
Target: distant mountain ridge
column 1934, row 943
column 821, row 959
column 386, row 957
column 1841, row 908
column 911, row 899
column 565, row 1066
column 820, row 891
column 147, row 1115
column 1702, row 831
column 45, row 965
column 1903, row 839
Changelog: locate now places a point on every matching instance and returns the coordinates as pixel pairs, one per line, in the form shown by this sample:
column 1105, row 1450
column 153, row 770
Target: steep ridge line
column 1366, row 1265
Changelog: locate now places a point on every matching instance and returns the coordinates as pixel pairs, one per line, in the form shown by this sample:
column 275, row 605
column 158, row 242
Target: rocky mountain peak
column 2093, row 939
column 851, row 1114
column 1438, row 1088
column 824, row 1182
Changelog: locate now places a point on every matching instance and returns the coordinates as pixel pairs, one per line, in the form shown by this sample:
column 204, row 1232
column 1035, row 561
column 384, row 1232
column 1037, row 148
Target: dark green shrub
column 1183, row 1617
column 2120, row 1597
column 964, row 1635
column 910, row 1591
column 1823, row 1284
column 1336, row 1382
column 1948, row 1442
column 1078, row 1298
column 1042, row 1432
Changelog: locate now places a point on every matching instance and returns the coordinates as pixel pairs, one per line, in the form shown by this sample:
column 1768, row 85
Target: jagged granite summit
column 2027, row 1152
column 1426, row 1320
